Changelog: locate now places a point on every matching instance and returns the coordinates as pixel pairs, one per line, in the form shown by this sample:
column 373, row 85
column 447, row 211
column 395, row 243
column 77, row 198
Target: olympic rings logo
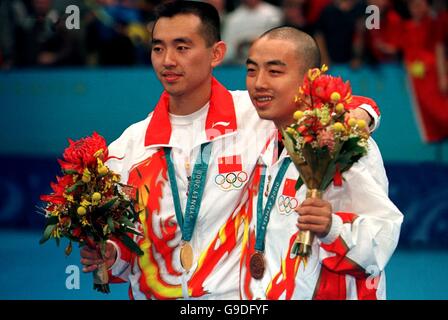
column 286, row 204
column 231, row 180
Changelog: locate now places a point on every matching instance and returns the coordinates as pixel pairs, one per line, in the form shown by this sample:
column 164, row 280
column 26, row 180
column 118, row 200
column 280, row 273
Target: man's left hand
column 361, row 114
column 315, row 216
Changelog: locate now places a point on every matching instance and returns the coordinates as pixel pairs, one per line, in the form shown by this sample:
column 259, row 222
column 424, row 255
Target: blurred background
column 58, row 83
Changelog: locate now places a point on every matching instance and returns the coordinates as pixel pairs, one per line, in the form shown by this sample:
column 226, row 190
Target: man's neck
column 282, row 124
column 191, row 102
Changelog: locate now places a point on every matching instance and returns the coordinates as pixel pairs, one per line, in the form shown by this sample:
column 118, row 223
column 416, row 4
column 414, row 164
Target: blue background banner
column 40, row 109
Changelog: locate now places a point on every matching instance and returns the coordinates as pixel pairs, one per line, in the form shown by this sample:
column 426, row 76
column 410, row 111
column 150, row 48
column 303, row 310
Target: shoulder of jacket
column 134, row 134
column 246, row 113
column 373, row 163
column 242, row 103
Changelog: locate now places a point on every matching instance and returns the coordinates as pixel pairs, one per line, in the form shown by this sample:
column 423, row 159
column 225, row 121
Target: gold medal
column 186, row 256
column 257, row 265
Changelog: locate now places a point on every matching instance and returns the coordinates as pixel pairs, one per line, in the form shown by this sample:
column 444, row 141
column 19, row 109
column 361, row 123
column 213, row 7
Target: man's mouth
column 171, row 76
column 263, row 100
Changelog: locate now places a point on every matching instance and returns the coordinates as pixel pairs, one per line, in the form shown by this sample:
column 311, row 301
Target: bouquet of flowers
column 323, row 141
column 89, row 205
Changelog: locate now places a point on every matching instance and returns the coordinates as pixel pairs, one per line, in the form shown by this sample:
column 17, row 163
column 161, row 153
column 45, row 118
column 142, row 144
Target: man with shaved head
column 288, row 45
column 356, row 225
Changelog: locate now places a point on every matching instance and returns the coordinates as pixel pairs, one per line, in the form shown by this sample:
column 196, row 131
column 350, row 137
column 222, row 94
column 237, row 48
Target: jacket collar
column 221, row 118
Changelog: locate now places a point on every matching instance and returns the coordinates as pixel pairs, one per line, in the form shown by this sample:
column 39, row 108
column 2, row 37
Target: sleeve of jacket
column 362, row 239
column 120, row 270
column 371, row 107
column 121, row 152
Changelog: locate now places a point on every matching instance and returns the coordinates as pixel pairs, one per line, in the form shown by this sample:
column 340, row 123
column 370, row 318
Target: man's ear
column 219, row 51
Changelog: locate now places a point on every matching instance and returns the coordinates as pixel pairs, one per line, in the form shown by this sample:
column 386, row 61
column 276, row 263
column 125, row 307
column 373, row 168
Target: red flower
column 309, row 139
column 302, row 129
column 57, row 197
column 76, row 232
column 81, row 153
column 323, row 87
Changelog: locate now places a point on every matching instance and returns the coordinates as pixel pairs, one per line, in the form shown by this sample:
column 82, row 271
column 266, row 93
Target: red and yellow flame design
column 285, row 280
column 157, row 261
column 150, row 177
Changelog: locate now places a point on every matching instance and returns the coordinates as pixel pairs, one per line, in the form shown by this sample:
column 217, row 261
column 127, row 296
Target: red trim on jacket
column 221, row 117
column 359, row 100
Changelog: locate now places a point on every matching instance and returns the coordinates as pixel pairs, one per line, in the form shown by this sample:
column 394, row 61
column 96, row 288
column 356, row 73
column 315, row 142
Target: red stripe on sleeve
column 367, row 287
column 330, row 286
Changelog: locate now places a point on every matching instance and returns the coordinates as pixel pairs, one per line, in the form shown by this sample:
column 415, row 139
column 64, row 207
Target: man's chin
column 265, row 115
column 174, row 92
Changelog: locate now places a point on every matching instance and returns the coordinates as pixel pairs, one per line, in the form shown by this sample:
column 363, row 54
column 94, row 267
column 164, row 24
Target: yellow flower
column 324, row 68
column 338, row 127
column 324, row 115
column 85, row 203
column 81, row 211
column 290, row 130
column 313, row 74
column 298, row 114
column 69, row 197
column 86, row 179
column 352, row 122
column 335, row 97
column 361, row 124
column 339, row 108
column 84, row 222
column 103, row 170
column 96, row 196
column 116, row 178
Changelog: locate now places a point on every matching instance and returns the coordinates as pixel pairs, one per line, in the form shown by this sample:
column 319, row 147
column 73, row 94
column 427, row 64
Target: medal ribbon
column 263, row 215
column 195, row 191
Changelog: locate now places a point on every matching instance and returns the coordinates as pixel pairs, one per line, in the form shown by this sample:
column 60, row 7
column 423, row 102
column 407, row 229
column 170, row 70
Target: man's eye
column 250, row 70
column 156, row 49
column 275, row 72
column 182, row 48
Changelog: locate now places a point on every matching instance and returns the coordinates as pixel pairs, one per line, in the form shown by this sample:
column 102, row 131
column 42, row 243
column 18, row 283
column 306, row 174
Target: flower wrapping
column 89, row 205
column 323, row 141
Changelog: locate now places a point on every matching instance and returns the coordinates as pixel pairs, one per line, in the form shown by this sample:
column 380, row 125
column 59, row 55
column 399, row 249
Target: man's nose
column 261, row 81
column 169, row 59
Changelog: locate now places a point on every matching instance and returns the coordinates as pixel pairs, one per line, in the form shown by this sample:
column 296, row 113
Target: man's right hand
column 91, row 258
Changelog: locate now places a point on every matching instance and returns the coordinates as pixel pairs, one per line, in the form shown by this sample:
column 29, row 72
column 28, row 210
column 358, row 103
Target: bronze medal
column 257, row 265
column 186, row 256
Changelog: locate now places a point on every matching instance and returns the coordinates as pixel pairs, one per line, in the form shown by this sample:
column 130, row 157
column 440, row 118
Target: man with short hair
column 190, row 161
